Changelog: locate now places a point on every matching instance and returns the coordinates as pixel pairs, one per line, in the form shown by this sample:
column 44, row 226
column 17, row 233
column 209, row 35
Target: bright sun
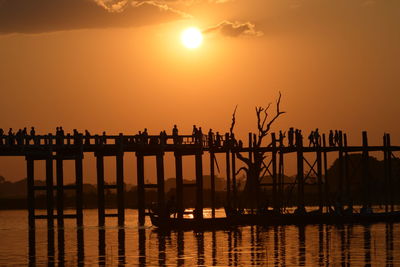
column 191, row 38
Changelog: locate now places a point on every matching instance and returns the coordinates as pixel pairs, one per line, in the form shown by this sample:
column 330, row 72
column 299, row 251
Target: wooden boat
column 271, row 219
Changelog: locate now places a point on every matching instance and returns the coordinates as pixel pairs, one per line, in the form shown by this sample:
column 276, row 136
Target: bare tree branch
column 242, row 169
column 233, row 120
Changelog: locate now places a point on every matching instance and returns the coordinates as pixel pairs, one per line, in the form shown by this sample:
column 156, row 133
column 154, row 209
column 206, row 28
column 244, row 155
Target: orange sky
column 121, row 68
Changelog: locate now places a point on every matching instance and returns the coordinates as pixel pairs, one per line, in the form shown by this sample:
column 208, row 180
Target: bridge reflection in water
column 316, row 245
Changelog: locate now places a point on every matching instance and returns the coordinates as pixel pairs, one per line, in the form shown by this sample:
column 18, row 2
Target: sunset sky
column 120, row 66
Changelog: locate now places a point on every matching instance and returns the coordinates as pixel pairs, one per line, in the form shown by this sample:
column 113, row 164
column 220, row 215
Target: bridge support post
column 212, row 177
column 300, row 171
column 120, row 189
column 319, row 177
column 79, row 190
column 390, row 176
column 365, row 170
column 100, row 189
column 346, row 172
column 228, row 179
column 274, row 174
column 326, row 184
column 160, row 184
column 179, row 184
column 341, row 169
column 199, row 186
column 140, row 189
column 31, row 193
column 60, row 190
column 234, row 189
column 49, row 192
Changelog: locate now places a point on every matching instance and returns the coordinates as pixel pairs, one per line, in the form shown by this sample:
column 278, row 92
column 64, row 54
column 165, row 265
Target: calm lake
column 314, row 245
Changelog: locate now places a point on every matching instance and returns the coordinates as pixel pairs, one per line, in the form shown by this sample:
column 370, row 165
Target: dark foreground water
column 314, row 245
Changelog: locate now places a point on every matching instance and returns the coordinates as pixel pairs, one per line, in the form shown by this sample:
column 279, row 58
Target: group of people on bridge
column 211, row 139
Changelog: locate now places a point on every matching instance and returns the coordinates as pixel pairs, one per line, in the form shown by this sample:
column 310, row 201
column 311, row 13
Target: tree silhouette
column 255, row 168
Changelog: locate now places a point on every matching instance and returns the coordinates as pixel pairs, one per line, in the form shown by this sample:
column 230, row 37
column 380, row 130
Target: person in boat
column 171, row 206
column 366, row 209
column 348, row 210
column 338, row 208
column 301, row 210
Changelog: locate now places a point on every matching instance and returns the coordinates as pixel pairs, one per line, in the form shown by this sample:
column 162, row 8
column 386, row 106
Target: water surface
column 313, row 245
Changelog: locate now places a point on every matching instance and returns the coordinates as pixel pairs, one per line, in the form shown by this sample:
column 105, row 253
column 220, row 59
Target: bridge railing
column 140, row 139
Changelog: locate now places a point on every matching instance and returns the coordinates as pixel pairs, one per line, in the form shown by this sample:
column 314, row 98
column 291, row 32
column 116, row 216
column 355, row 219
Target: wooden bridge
column 59, row 148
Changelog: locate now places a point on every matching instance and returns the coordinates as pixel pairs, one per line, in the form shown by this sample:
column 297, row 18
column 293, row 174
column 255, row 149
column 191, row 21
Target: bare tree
column 255, row 168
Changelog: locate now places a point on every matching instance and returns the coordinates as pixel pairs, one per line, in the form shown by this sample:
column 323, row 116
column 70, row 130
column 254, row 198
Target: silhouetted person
column 24, row 136
column 281, row 138
column 32, row 132
column 19, row 137
column 75, row 135
column 163, row 138
column 194, row 133
column 145, row 136
column 175, row 134
column 104, row 138
column 232, row 139
column 300, row 211
column 311, row 139
column 199, row 136
column 210, row 138
column 87, row 137
column 218, row 140
column 316, row 138
column 68, row 138
column 336, row 137
column 139, row 138
column 62, row 132
column 290, row 136
column 1, row 136
column 331, row 138
column 171, row 206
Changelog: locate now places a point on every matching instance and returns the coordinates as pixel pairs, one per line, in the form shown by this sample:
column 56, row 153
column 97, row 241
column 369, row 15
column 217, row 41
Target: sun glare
column 192, row 38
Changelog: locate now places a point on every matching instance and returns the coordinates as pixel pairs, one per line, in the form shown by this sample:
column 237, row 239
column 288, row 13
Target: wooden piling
column 274, row 174
column 300, row 171
column 60, row 190
column 228, row 177
column 365, row 170
column 49, row 192
column 341, row 168
column 319, row 178
column 326, row 180
column 140, row 189
column 250, row 147
column 160, row 184
column 199, row 186
column 281, row 182
column 79, row 190
column 346, row 177
column 31, row 193
column 234, row 185
column 212, row 177
column 390, row 173
column 388, row 188
column 179, row 184
column 120, row 188
column 100, row 189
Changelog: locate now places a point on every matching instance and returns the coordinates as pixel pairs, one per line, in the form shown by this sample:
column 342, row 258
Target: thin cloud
column 234, row 29
column 38, row 16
